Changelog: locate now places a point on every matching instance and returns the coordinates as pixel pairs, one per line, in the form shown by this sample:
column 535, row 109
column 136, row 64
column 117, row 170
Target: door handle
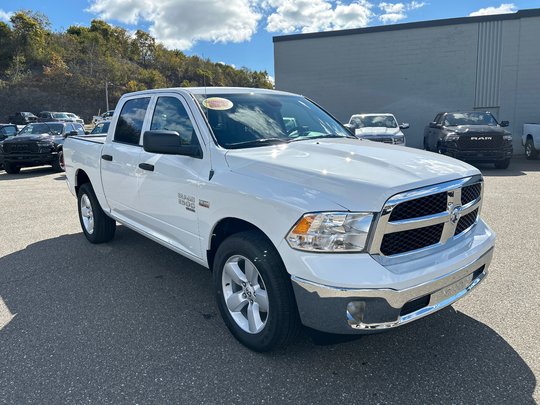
column 146, row 166
column 107, row 157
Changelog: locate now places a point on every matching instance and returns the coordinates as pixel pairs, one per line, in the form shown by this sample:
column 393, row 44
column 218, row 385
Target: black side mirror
column 72, row 133
column 504, row 123
column 169, row 143
column 433, row 124
column 404, row 125
column 87, row 132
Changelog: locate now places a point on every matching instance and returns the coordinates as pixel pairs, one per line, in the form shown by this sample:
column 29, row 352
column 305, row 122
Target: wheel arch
column 226, row 227
column 81, row 177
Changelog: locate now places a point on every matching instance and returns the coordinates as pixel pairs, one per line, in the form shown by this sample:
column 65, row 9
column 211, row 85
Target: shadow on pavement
column 27, row 172
column 519, row 166
column 131, row 321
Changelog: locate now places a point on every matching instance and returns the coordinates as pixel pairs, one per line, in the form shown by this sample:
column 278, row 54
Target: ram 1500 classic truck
column 299, row 221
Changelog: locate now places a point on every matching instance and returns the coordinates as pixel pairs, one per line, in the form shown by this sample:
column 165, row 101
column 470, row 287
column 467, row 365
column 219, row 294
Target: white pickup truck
column 300, row 224
column 531, row 140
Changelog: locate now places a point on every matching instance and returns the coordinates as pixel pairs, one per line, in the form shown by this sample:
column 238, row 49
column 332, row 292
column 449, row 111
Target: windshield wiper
column 256, row 142
column 308, row 138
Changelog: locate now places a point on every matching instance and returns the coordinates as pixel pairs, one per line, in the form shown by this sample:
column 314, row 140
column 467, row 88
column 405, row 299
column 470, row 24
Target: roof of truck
column 212, row 90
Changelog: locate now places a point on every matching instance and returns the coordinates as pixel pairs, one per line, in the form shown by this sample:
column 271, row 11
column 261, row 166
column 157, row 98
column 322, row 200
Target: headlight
column 399, row 140
column 452, row 136
column 507, row 137
column 43, row 144
column 331, row 232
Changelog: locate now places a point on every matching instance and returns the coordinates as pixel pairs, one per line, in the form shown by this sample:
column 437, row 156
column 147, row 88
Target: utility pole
column 107, row 94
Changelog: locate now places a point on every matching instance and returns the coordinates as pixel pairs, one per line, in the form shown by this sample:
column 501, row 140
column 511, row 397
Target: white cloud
column 504, row 8
column 181, row 23
column 288, row 16
column 394, row 12
column 5, row 15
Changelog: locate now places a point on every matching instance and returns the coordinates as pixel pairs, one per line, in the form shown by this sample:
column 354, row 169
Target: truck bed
column 92, row 138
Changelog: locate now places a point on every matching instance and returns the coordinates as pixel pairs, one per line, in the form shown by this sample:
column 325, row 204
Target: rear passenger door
column 169, row 184
column 119, row 159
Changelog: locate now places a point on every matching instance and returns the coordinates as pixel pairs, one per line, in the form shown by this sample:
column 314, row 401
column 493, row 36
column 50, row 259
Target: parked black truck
column 470, row 136
column 37, row 144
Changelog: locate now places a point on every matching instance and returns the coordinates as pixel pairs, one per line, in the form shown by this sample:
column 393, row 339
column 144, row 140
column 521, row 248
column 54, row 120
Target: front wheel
column 530, row 150
column 10, row 168
column 254, row 292
column 58, row 164
column 502, row 164
column 96, row 225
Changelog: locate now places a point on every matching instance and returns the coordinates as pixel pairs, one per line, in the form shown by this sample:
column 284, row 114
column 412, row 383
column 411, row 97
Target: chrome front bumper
column 340, row 310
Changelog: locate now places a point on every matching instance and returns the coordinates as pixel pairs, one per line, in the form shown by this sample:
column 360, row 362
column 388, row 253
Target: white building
column 415, row 70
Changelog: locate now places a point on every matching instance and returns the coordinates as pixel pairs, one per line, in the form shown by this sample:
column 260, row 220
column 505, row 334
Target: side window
column 79, row 128
column 170, row 115
column 130, row 122
column 69, row 128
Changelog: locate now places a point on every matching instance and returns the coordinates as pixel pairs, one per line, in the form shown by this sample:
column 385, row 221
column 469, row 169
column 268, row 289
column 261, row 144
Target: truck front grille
column 480, row 141
column 20, row 147
column 426, row 217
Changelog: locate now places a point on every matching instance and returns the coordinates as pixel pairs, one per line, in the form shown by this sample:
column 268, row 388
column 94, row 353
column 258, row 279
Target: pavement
column 132, row 322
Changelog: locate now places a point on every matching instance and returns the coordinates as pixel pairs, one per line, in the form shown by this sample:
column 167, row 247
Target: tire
column 58, row 164
column 10, row 168
column 266, row 285
column 530, row 151
column 96, row 225
column 502, row 164
column 426, row 146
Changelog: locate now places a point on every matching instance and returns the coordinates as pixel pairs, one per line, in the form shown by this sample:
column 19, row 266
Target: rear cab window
column 130, row 121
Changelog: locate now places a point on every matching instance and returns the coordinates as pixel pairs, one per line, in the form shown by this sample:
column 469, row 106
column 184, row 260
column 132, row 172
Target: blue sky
column 239, row 32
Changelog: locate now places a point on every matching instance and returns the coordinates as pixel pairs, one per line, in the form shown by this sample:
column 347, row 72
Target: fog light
column 355, row 311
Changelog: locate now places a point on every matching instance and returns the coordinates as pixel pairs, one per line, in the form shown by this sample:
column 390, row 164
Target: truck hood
column 476, row 129
column 376, row 131
column 32, row 138
column 355, row 174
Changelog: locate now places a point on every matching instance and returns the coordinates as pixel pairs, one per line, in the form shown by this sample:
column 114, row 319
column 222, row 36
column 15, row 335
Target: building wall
column 417, row 72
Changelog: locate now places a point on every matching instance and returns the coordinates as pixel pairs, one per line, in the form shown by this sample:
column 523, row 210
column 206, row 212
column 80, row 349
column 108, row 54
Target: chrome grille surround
column 450, row 218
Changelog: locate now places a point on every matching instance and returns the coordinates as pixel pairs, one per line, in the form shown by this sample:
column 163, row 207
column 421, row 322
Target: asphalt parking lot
column 132, row 322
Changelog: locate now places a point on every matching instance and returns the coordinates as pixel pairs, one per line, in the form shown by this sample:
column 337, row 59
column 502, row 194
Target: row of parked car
column 39, row 143
column 26, row 117
column 472, row 136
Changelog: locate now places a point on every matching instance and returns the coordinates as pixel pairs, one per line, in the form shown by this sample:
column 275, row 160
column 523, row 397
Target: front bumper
column 478, row 155
column 30, row 159
column 358, row 293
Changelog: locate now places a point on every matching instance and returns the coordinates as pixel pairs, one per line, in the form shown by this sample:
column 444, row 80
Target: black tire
column 426, row 145
column 282, row 322
column 530, row 151
column 104, row 227
column 502, row 164
column 10, row 168
column 58, row 165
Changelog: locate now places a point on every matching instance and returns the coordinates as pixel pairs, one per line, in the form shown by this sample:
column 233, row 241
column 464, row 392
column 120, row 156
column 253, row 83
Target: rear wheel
column 96, row 225
column 502, row 164
column 530, row 150
column 426, row 146
column 11, row 168
column 254, row 292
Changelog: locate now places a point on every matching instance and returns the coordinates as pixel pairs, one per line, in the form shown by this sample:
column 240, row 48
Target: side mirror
column 404, row 125
column 350, row 127
column 72, row 133
column 168, row 143
column 504, row 123
column 87, row 132
column 433, row 124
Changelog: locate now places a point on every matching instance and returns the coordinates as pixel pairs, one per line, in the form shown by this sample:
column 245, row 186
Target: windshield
column 36, row 129
column 469, row 118
column 252, row 119
column 374, row 121
column 60, row 115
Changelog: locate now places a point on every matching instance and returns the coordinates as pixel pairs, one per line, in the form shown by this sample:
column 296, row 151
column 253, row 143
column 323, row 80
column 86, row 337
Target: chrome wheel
column 87, row 214
column 245, row 294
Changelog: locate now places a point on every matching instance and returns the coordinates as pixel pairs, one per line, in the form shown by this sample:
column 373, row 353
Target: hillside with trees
column 67, row 71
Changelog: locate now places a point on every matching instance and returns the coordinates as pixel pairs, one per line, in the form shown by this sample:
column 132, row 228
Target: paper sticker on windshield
column 217, row 103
